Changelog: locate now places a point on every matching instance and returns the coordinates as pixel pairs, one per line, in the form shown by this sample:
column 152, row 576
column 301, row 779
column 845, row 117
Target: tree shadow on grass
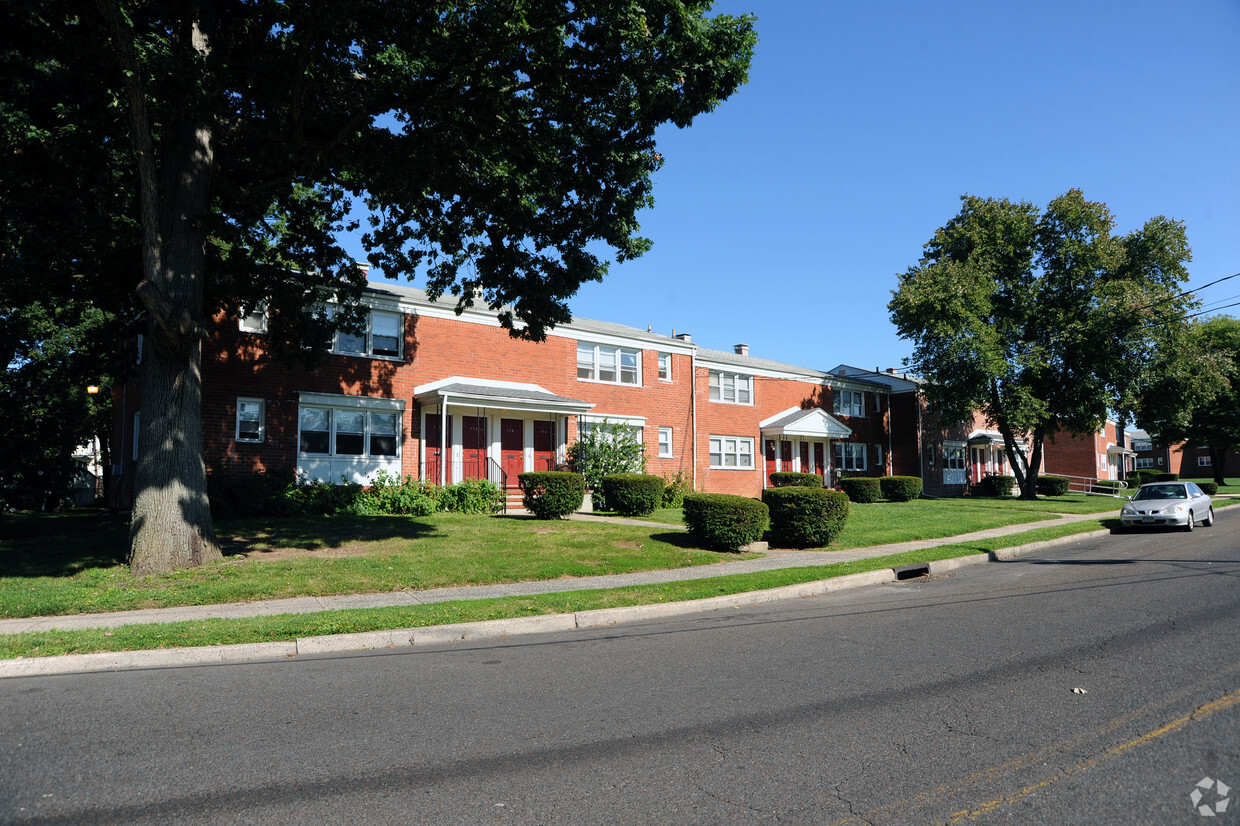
column 242, row 536
column 62, row 544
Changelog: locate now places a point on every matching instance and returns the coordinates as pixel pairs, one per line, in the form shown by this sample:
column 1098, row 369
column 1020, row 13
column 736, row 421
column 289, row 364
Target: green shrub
column 996, row 485
column 472, row 496
column 1208, row 488
column 1053, row 485
column 900, row 488
column 551, row 494
column 1167, row 477
column 1137, row 478
column 804, row 517
column 674, row 491
column 861, row 488
column 725, row 522
column 1114, row 485
column 633, row 494
column 787, row 479
column 313, row 498
column 603, row 448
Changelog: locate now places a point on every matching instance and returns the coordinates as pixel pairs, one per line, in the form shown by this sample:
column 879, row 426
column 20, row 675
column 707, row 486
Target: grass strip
column 291, row 626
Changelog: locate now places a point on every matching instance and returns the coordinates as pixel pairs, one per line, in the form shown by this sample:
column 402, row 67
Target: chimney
column 891, row 371
column 741, row 349
column 685, row 337
column 364, row 266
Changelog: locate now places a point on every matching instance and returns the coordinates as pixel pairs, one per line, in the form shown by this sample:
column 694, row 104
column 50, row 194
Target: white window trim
column 658, row 358
column 855, row 449
column 258, row 311
column 619, row 354
column 736, row 377
column 365, row 403
column 670, row 454
column 1204, row 461
column 262, row 420
column 368, row 345
column 856, row 402
column 739, row 453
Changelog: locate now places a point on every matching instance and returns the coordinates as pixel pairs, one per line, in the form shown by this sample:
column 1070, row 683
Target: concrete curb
column 489, row 629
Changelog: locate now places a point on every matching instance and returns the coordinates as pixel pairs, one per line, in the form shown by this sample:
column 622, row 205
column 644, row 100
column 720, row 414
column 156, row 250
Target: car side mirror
column 1129, row 498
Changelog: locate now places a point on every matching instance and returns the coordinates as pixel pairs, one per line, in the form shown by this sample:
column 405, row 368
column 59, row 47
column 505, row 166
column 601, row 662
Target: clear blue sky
column 783, row 218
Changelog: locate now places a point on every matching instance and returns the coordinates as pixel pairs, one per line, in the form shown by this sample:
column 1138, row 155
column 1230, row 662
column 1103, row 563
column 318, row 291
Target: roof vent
column 685, row 337
column 741, row 349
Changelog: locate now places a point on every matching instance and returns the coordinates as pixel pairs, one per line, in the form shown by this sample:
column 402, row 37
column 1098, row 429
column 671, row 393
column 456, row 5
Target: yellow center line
column 1201, row 713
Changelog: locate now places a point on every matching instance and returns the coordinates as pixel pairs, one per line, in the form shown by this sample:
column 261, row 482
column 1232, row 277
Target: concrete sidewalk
column 775, row 559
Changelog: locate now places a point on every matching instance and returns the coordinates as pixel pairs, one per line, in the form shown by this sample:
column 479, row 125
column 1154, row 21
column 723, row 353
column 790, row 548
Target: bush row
column 803, row 517
column 725, row 522
column 864, row 489
column 236, row 496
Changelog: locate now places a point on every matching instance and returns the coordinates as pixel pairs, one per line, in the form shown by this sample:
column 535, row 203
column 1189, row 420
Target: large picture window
column 731, row 452
column 731, row 388
column 608, row 364
column 343, row 431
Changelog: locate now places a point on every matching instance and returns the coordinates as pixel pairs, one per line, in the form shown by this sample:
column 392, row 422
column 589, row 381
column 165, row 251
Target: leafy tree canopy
column 1193, row 394
column 1041, row 320
column 495, row 144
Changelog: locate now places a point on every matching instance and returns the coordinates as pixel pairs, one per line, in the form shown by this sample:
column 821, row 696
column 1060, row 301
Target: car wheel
column 1209, row 518
column 1191, row 523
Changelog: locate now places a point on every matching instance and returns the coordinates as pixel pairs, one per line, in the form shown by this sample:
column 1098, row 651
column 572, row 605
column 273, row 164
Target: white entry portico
column 799, row 440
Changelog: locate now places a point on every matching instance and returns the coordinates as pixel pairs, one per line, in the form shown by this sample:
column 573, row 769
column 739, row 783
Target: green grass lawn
column 291, row 626
column 74, row 563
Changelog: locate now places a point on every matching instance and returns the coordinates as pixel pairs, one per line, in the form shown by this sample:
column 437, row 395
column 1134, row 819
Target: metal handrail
column 1090, row 486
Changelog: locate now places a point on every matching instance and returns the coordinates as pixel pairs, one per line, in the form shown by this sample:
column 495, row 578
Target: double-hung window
column 379, row 338
column 730, row 388
column 731, row 452
column 1142, row 464
column 255, row 319
column 1142, row 444
column 250, row 420
column 849, row 403
column 665, row 442
column 850, row 456
column 608, row 364
column 665, row 366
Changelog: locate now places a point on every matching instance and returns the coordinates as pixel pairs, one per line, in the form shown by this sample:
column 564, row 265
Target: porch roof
column 1113, row 450
column 507, row 395
column 813, row 423
column 985, row 437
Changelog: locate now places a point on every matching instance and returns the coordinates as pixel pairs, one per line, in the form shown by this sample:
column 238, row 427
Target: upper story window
column 605, row 363
column 1142, row 444
column 379, row 339
column 665, row 366
column 732, row 388
column 849, row 403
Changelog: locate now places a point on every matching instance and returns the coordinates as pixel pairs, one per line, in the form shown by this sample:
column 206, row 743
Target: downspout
column 890, row 460
column 693, row 413
column 921, row 457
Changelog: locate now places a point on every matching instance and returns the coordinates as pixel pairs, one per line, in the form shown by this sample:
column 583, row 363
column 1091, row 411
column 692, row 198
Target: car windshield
column 1161, row 492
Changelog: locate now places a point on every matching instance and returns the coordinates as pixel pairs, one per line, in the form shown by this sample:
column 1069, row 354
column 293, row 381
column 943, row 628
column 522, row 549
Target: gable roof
column 813, row 422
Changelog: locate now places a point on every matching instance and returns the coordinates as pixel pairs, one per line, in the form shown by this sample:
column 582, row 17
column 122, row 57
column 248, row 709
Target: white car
column 1181, row 504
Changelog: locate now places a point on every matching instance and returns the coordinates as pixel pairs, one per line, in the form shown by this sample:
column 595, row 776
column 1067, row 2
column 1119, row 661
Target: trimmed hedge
column 900, row 488
column 997, row 485
column 1137, row 478
column 787, row 479
column 725, row 522
column 861, row 488
column 1208, row 488
column 804, row 517
column 1113, row 484
column 551, row 494
column 1167, row 477
column 633, row 494
column 1053, row 485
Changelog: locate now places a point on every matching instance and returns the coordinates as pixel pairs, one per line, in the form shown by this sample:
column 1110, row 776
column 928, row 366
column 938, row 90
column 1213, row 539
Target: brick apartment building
column 441, row 397
column 1189, row 461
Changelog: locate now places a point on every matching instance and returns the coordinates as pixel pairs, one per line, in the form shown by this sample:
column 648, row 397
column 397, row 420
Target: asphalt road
column 1095, row 683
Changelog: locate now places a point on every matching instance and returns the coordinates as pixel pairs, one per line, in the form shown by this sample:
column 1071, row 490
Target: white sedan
column 1182, row 504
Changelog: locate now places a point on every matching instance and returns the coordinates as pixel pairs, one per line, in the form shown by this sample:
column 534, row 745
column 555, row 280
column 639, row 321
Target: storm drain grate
column 912, row 571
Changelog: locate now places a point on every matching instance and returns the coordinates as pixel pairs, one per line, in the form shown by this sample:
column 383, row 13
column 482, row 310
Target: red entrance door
column 473, row 447
column 785, row 456
column 434, row 448
column 820, row 465
column 512, row 448
column 805, row 457
column 544, row 445
column 768, row 453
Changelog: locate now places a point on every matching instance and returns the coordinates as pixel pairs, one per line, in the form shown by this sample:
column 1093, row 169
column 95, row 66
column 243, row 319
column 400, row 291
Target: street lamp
column 118, row 464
